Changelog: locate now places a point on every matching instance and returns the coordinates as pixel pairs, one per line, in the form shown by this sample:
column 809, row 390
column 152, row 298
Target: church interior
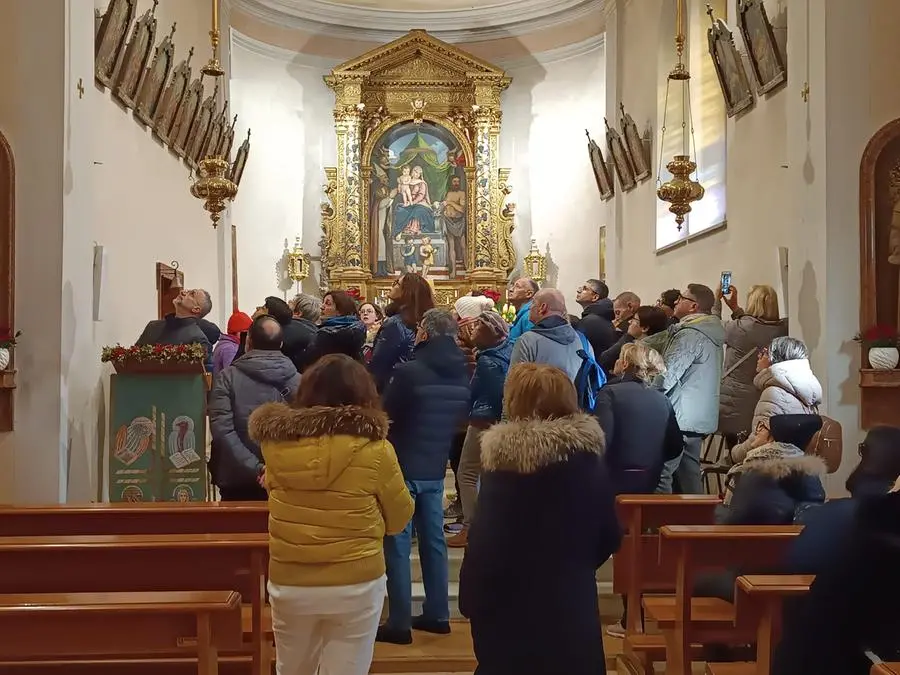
column 270, row 148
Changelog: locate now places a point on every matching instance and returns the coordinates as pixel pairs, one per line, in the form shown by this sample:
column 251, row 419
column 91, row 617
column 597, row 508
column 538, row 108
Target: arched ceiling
column 459, row 21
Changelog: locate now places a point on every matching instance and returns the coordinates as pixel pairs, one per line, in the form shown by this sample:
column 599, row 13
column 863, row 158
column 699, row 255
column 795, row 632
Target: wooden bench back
column 636, row 566
column 145, row 518
column 121, row 563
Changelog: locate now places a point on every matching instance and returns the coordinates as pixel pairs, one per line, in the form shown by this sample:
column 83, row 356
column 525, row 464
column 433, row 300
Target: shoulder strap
column 737, row 365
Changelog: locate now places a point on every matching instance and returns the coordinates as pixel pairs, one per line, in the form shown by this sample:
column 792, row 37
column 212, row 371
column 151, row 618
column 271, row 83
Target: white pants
column 329, row 630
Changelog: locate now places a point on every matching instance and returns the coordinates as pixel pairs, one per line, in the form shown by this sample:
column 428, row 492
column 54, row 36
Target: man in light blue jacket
column 693, row 356
column 520, row 296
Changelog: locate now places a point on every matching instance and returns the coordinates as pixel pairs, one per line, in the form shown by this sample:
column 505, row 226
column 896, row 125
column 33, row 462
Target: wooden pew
column 758, row 601
column 685, row 620
column 637, row 568
column 138, row 563
column 886, row 669
column 142, row 518
column 69, row 627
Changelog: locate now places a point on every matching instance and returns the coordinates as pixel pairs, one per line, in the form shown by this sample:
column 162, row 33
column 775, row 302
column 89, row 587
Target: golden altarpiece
column 417, row 186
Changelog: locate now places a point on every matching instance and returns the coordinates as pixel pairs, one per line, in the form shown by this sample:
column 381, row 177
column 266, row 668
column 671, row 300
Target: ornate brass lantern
column 680, row 191
column 298, row 263
column 214, row 187
column 535, row 264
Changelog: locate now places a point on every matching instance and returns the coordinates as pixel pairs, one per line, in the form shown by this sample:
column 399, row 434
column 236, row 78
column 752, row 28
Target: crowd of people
column 344, row 416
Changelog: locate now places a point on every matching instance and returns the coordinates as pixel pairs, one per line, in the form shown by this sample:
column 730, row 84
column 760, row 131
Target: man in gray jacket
column 262, row 375
column 693, row 356
column 552, row 341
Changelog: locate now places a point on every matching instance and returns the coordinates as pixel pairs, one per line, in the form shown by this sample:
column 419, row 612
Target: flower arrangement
column 158, row 354
column 879, row 335
column 8, row 339
column 491, row 293
column 356, row 295
column 508, row 313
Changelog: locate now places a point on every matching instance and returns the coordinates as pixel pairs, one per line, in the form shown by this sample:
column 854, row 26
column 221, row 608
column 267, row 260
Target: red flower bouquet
column 880, row 335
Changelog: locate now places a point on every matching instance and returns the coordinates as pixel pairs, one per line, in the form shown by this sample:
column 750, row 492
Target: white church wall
column 87, row 174
column 756, row 196
column 553, row 98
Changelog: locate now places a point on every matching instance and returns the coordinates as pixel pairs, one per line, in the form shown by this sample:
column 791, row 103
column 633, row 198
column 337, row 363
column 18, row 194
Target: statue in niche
column 137, row 54
column 110, row 39
column 634, row 144
column 171, row 100
column 187, row 112
column 199, row 132
column 154, row 79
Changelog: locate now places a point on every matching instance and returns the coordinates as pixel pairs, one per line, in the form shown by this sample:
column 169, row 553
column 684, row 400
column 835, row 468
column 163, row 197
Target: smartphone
column 726, row 283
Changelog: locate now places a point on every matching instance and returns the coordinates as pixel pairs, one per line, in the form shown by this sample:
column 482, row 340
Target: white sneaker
column 616, row 630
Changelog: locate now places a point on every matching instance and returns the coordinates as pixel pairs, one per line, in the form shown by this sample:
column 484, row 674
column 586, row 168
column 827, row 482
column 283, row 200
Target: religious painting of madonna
column 417, row 202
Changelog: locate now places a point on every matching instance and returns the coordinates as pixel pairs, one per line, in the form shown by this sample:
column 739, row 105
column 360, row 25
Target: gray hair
column 439, row 323
column 787, row 349
column 306, row 306
column 206, row 305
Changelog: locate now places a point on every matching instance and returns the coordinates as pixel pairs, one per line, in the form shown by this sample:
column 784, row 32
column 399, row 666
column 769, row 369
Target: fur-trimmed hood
column 779, row 460
column 527, row 446
column 280, row 422
column 311, row 448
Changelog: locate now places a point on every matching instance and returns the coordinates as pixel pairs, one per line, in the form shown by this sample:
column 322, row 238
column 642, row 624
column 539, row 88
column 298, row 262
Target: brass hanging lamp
column 680, row 191
column 214, row 185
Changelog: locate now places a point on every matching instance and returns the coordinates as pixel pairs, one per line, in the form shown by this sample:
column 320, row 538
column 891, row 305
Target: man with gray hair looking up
column 181, row 327
column 427, row 401
column 552, row 341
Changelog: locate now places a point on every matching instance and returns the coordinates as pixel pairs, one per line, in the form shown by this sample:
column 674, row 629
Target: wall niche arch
column 879, row 267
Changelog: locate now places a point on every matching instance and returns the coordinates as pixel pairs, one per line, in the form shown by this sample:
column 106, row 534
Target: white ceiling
column 424, row 5
column 451, row 20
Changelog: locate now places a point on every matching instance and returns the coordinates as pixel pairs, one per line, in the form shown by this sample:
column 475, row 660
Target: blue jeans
column 428, row 519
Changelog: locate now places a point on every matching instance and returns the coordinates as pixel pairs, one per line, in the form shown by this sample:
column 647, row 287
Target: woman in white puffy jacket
column 787, row 385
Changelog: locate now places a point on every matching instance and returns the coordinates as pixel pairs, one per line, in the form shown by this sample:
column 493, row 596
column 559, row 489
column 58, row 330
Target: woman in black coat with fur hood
column 534, row 609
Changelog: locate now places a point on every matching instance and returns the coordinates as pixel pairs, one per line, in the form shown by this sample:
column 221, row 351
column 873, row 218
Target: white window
column 708, row 111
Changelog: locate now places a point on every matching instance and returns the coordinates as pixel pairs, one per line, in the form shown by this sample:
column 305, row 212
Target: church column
column 487, row 153
column 348, row 123
column 611, row 210
column 828, row 126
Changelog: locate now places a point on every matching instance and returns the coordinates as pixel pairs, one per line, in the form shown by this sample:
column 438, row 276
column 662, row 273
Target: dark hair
column 670, row 297
column 378, row 311
column 654, row 319
column 416, row 298
column 703, row 296
column 600, row 288
column 879, row 458
column 279, row 310
column 533, row 284
column 265, row 333
column 343, row 302
column 337, row 380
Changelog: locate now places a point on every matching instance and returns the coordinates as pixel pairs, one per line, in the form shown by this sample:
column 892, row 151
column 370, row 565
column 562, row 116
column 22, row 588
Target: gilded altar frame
column 416, row 78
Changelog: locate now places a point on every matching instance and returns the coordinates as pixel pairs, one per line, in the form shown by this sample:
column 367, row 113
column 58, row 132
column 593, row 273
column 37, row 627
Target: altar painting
column 418, row 202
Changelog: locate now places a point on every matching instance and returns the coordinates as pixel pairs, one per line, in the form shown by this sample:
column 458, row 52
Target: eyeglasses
column 762, row 353
column 686, row 297
column 861, row 449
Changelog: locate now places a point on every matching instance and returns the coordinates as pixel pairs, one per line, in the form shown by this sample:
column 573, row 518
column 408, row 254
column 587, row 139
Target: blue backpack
column 590, row 378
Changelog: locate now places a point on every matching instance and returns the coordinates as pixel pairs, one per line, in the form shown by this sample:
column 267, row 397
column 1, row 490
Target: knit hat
column 238, row 323
column 469, row 307
column 797, row 430
column 495, row 322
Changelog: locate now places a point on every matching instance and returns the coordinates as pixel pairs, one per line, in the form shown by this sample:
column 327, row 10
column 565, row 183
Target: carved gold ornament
column 535, row 263
column 434, row 88
column 214, row 187
column 298, row 262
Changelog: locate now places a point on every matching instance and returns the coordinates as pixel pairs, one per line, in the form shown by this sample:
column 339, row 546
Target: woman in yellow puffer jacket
column 335, row 490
